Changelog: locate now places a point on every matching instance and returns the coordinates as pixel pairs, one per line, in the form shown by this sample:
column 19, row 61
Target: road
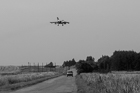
column 62, row 84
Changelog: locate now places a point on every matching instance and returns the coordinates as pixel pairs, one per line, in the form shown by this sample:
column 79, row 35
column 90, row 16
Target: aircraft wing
column 66, row 22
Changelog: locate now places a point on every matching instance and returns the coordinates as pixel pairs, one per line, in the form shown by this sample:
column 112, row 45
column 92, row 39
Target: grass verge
column 81, row 85
column 19, row 85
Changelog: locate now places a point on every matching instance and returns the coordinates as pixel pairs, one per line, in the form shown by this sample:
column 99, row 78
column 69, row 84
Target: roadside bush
column 83, row 67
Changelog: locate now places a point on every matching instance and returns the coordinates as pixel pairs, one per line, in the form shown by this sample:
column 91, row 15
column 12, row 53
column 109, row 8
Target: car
column 69, row 73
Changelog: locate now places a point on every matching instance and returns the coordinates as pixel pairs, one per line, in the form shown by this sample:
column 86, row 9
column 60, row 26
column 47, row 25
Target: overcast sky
column 97, row 27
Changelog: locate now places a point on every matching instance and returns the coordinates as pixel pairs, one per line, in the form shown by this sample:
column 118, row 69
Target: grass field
column 14, row 77
column 11, row 82
column 9, row 70
column 108, row 83
column 14, row 70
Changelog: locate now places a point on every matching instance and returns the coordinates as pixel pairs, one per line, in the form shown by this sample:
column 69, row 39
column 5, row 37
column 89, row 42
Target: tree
column 123, row 60
column 104, row 63
column 137, row 62
column 69, row 63
column 83, row 67
column 90, row 60
column 49, row 65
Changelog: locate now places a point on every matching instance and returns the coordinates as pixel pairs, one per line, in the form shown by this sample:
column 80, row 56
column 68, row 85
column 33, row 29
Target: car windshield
column 70, row 72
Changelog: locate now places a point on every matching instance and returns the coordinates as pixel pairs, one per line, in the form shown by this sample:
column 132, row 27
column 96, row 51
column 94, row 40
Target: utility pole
column 55, row 67
column 45, row 67
column 42, row 67
column 34, row 67
column 38, row 67
column 29, row 66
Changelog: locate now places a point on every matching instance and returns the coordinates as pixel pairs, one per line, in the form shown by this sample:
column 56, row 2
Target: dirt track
column 61, row 84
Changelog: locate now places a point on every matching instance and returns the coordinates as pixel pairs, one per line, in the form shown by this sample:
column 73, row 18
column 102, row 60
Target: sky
column 97, row 27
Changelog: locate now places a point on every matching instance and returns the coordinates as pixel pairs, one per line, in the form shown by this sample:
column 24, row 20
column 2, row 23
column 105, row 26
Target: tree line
column 69, row 63
column 119, row 61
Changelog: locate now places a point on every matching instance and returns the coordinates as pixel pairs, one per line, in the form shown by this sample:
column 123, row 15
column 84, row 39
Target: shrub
column 83, row 66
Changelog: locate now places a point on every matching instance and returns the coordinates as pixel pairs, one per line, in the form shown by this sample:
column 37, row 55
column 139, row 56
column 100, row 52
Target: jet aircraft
column 60, row 22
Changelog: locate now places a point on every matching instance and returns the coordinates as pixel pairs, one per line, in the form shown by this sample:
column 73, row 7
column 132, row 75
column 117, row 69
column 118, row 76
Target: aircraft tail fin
column 57, row 18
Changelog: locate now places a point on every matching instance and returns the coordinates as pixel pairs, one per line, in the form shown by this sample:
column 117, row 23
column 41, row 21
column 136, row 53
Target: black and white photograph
column 69, row 46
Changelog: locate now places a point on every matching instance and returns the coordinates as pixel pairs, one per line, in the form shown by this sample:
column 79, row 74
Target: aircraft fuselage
column 60, row 22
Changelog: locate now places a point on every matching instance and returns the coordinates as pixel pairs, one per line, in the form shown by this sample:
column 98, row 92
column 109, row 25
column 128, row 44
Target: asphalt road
column 62, row 84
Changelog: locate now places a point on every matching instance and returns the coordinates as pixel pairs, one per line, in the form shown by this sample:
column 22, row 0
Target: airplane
column 60, row 22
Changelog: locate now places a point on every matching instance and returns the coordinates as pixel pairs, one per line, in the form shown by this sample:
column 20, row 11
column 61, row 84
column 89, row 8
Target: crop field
column 19, row 79
column 125, row 72
column 14, row 77
column 108, row 83
column 9, row 70
column 14, row 70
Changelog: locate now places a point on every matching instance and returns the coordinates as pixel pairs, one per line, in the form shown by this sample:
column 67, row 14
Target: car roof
column 69, row 71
